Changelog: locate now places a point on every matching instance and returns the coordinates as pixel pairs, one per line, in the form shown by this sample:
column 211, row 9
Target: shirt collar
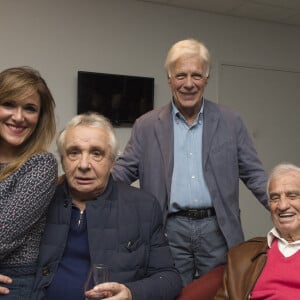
column 273, row 233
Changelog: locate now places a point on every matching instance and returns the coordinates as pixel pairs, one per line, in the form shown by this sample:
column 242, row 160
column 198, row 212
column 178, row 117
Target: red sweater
column 280, row 278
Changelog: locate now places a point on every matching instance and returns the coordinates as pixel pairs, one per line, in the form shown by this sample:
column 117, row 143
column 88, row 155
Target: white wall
column 60, row 37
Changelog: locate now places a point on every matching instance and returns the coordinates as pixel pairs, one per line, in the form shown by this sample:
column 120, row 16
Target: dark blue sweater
column 72, row 271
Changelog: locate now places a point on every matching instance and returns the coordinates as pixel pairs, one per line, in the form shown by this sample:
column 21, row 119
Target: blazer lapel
column 210, row 122
column 165, row 137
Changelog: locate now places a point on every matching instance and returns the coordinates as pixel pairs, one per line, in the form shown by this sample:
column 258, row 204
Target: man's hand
column 4, row 279
column 111, row 290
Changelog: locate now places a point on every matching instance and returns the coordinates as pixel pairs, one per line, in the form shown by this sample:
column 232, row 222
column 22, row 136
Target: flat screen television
column 120, row 98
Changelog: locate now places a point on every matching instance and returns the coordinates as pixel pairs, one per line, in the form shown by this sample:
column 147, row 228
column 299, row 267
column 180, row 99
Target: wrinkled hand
column 111, row 291
column 4, row 279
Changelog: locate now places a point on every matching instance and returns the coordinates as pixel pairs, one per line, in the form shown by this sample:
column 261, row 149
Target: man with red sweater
column 268, row 268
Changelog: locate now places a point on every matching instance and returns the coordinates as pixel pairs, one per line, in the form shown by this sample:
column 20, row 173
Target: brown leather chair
column 205, row 287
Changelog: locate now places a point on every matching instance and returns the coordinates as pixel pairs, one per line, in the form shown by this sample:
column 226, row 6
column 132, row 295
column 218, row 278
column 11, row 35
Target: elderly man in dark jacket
column 93, row 219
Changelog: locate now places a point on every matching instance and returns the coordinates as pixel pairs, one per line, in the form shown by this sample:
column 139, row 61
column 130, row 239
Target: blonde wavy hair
column 19, row 83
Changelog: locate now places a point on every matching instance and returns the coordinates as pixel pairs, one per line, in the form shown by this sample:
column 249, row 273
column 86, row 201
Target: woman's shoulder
column 43, row 161
column 42, row 157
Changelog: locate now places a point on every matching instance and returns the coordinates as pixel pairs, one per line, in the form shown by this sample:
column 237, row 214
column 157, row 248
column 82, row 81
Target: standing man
column 190, row 154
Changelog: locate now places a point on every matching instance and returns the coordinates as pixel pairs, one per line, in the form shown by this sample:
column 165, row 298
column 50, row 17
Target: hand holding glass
column 98, row 274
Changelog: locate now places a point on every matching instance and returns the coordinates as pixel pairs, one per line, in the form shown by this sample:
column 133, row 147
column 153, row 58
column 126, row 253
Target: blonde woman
column 27, row 174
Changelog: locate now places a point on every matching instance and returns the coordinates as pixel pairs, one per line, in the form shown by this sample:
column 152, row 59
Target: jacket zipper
column 80, row 218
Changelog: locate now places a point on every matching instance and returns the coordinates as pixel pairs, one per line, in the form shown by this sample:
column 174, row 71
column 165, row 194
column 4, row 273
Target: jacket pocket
column 132, row 254
column 133, row 245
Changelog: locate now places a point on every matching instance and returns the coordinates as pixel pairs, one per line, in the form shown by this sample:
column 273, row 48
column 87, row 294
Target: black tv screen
column 120, row 98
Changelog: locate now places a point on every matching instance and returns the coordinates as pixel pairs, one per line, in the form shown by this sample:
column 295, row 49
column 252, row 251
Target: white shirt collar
column 285, row 247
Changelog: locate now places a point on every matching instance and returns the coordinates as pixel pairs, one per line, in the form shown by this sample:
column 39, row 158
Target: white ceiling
column 280, row 11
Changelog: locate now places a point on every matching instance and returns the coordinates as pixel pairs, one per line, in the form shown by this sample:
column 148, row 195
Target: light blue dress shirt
column 188, row 188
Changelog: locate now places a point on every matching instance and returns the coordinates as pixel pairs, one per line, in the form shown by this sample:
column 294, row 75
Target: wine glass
column 98, row 273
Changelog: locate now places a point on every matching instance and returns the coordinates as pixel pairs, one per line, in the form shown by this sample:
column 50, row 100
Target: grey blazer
column 228, row 155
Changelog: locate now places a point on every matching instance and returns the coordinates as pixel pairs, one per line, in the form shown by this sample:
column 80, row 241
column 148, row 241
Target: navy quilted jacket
column 125, row 232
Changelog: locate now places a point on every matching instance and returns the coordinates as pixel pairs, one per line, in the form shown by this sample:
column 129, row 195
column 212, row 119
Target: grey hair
column 186, row 49
column 279, row 170
column 90, row 119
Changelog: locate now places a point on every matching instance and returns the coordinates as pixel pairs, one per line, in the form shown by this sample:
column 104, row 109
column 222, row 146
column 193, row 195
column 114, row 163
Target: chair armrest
column 205, row 287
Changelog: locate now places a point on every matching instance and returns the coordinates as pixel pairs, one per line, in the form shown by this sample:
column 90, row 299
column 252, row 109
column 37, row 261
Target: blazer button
column 45, row 271
column 66, row 203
